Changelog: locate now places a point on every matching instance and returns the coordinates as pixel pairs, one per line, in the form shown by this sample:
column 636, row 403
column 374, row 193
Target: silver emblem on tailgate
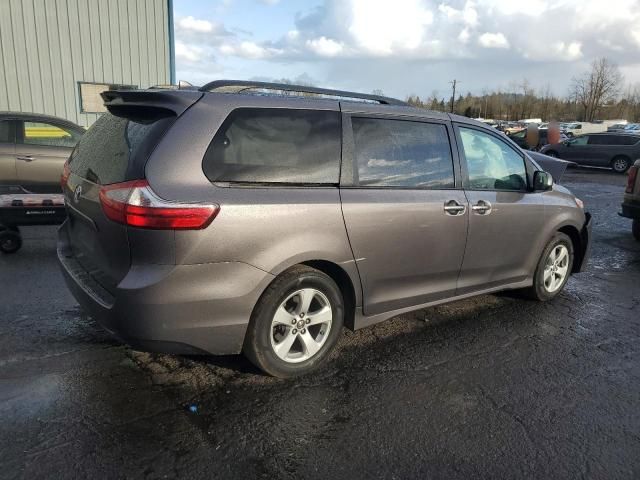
column 76, row 193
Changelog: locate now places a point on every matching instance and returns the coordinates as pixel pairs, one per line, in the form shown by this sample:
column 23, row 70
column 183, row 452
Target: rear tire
column 553, row 269
column 635, row 228
column 10, row 241
column 285, row 338
column 620, row 164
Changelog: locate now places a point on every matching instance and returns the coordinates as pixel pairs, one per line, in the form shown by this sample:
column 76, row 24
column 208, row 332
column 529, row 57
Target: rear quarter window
column 264, row 145
column 628, row 140
column 115, row 149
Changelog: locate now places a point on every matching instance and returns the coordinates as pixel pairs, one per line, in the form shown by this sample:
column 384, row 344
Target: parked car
column 632, row 128
column 613, row 150
column 33, row 149
column 617, row 127
column 208, row 222
column 631, row 201
column 520, row 138
column 582, row 128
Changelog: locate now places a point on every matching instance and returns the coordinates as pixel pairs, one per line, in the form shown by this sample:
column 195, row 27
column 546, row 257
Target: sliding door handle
column 482, row 207
column 453, row 208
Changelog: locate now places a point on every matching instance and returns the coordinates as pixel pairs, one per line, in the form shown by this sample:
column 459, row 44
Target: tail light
column 135, row 204
column 631, row 178
column 66, row 171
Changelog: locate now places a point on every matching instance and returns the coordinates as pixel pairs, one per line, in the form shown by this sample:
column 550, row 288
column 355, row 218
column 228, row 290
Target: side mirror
column 542, row 181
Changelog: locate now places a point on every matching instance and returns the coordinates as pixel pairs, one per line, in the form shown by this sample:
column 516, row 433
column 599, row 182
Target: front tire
column 553, row 269
column 295, row 324
column 635, row 229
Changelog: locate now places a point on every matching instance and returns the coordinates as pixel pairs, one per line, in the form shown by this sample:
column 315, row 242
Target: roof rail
column 242, row 85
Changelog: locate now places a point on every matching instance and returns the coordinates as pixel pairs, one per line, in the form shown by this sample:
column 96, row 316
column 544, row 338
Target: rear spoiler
column 149, row 103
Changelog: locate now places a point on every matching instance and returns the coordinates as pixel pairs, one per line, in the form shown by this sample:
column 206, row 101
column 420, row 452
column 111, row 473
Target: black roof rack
column 242, row 85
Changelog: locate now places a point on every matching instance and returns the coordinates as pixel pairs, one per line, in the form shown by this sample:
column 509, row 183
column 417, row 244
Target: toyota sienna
column 263, row 218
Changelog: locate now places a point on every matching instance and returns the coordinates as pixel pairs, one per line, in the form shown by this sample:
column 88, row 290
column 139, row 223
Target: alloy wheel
column 556, row 268
column 620, row 165
column 301, row 325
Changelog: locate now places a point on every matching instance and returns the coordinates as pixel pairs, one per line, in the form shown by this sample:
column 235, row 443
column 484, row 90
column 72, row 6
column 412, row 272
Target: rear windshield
column 270, row 145
column 115, row 149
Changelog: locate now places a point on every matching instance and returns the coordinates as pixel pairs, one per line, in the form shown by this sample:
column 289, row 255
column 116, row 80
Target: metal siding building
column 49, row 48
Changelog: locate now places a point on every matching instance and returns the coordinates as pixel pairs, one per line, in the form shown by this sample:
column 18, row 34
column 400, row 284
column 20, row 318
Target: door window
column 50, row 135
column 581, row 140
column 399, row 153
column 492, row 164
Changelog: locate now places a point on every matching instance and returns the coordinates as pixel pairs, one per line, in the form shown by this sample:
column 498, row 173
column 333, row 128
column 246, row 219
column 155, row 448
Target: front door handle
column 453, row 208
column 26, row 158
column 482, row 207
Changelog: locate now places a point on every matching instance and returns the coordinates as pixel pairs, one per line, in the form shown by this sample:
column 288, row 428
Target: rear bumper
column 630, row 210
column 585, row 245
column 179, row 309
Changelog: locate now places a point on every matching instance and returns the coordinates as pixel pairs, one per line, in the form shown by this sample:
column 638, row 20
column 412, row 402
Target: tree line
column 597, row 94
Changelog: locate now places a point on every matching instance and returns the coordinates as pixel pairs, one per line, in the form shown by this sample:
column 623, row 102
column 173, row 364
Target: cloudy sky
column 406, row 46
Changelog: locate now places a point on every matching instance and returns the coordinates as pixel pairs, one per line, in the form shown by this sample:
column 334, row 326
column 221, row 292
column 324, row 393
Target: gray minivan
column 617, row 151
column 239, row 217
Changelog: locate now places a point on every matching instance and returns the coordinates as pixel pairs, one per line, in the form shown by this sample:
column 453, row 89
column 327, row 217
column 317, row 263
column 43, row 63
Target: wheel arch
column 339, row 275
column 345, row 284
column 578, row 252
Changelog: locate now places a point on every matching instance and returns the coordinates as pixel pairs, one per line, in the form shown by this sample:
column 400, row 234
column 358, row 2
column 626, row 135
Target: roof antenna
column 183, row 84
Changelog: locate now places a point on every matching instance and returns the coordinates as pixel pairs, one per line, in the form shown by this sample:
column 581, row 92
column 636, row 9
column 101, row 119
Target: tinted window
column 276, row 146
column 492, row 164
column 627, row 140
column 581, row 140
column 604, row 140
column 115, row 149
column 48, row 134
column 5, row 132
column 402, row 154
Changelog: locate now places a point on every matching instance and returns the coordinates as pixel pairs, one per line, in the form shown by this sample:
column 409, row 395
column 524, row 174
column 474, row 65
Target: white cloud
column 191, row 23
column 464, row 35
column 468, row 14
column 325, row 47
column 533, row 8
column 188, row 53
column 250, row 50
column 493, row 40
column 570, row 51
column 381, row 27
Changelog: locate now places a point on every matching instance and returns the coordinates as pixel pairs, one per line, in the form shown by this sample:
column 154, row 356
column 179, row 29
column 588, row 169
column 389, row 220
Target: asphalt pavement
column 491, row 387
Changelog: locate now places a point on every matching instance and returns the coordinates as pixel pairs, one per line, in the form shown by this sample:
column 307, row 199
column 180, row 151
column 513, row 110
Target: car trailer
column 19, row 207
